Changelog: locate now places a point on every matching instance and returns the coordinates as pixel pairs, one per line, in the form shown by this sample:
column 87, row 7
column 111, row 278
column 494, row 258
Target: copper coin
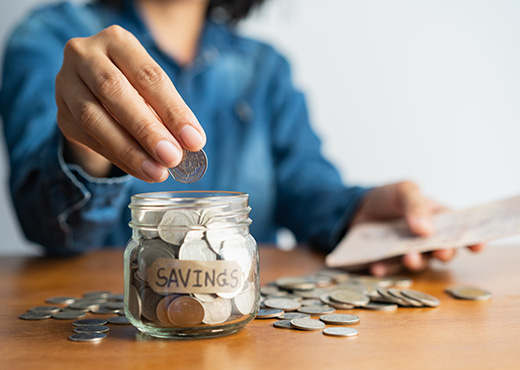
column 185, row 311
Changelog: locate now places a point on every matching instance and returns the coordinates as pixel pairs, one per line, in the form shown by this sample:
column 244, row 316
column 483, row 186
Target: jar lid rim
column 188, row 194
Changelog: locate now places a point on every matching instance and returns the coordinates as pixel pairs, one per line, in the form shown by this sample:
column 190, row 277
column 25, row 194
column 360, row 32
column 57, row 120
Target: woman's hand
column 114, row 99
column 404, row 200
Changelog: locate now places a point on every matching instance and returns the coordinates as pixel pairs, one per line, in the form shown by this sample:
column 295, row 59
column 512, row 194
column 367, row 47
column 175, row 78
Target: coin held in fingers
column 192, row 167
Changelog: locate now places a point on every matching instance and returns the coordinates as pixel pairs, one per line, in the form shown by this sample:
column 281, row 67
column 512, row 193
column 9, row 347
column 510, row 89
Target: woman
column 137, row 82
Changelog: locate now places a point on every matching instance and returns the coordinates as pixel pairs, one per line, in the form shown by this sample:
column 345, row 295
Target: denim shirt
column 259, row 140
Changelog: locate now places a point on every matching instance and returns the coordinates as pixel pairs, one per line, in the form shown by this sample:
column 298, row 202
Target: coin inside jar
column 185, row 311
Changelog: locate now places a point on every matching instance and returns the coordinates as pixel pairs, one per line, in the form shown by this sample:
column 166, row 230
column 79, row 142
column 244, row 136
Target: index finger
column 150, row 80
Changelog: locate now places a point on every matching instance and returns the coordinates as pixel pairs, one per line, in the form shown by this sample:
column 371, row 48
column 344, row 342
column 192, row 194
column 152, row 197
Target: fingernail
column 153, row 169
column 168, row 153
column 191, row 137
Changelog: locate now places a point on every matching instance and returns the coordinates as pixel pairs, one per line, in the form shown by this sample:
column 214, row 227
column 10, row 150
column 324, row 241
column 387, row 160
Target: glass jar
column 191, row 268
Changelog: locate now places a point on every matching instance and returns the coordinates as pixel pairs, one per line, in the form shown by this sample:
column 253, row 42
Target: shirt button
column 244, row 111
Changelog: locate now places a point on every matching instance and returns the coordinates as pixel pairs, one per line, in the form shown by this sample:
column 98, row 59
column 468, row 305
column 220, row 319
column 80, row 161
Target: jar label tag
column 167, row 275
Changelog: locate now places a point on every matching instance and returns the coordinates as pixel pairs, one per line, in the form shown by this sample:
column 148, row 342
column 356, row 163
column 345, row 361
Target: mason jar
column 191, row 267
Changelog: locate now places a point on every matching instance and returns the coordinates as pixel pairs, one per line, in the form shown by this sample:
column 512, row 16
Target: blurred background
column 403, row 89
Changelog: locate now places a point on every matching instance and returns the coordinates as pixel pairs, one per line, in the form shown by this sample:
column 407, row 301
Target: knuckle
column 145, row 131
column 176, row 115
column 150, row 76
column 74, row 46
column 116, row 32
column 128, row 155
column 110, row 84
column 88, row 117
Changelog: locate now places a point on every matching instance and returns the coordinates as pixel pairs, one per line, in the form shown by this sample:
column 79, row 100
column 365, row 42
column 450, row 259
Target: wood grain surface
column 456, row 335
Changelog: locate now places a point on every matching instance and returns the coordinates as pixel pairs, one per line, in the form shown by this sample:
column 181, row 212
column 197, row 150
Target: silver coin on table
column 282, row 304
column 102, row 309
column 89, row 322
column 87, row 337
column 294, row 315
column 324, row 298
column 375, row 306
column 118, row 320
column 340, row 332
column 51, row 309
column 409, row 301
column 69, row 315
column 97, row 294
column 192, row 167
column 426, row 299
column 295, row 283
column 307, row 324
column 283, row 324
column 391, row 298
column 350, row 297
column 339, row 319
column 470, row 293
column 316, row 310
column 35, row 315
column 60, row 300
column 268, row 313
column 91, row 329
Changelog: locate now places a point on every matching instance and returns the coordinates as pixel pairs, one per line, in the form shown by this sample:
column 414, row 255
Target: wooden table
column 456, row 335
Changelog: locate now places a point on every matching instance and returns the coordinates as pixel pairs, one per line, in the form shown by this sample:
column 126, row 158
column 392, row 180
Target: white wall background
column 427, row 90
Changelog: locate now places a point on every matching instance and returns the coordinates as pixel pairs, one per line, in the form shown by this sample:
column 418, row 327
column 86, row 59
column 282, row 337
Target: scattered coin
column 307, row 324
column 426, row 299
column 340, row 306
column 118, row 320
column 294, row 315
column 268, row 313
column 35, row 315
column 68, row 315
column 87, row 337
column 91, row 329
column 51, row 309
column 192, row 167
column 349, row 297
column 60, row 300
column 376, row 306
column 340, row 332
column 282, row 304
column 470, row 293
column 316, row 310
column 339, row 319
column 89, row 322
column 98, row 294
column 283, row 324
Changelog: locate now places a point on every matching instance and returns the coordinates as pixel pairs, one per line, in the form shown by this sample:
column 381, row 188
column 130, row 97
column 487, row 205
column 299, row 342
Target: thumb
column 417, row 210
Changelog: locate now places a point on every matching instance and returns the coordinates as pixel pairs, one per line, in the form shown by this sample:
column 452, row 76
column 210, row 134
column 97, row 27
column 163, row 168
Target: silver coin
column 294, row 315
column 409, row 301
column 97, row 294
column 340, row 306
column 282, row 304
column 217, row 311
column 268, row 313
column 115, row 305
column 270, row 290
column 426, row 299
column 68, row 315
column 116, row 298
column 192, row 167
column 118, row 320
column 295, row 283
column 391, row 298
column 91, row 329
column 283, row 324
column 349, row 297
column 312, row 294
column 470, row 293
column 339, row 319
column 83, row 306
column 402, row 282
column 196, row 250
column 316, row 310
column 150, row 251
column 87, row 337
column 89, row 322
column 203, row 297
column 375, row 306
column 60, row 300
column 243, row 303
column 341, row 332
column 307, row 324
column 51, row 309
column 35, row 315
column 103, row 309
column 174, row 224
column 311, row 302
column 233, row 249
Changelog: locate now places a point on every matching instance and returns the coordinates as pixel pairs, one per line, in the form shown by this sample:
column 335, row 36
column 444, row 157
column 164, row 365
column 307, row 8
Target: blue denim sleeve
column 58, row 205
column 313, row 202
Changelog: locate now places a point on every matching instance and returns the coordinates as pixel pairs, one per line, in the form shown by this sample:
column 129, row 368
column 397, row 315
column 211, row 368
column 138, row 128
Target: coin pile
column 295, row 300
column 191, row 237
column 71, row 308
